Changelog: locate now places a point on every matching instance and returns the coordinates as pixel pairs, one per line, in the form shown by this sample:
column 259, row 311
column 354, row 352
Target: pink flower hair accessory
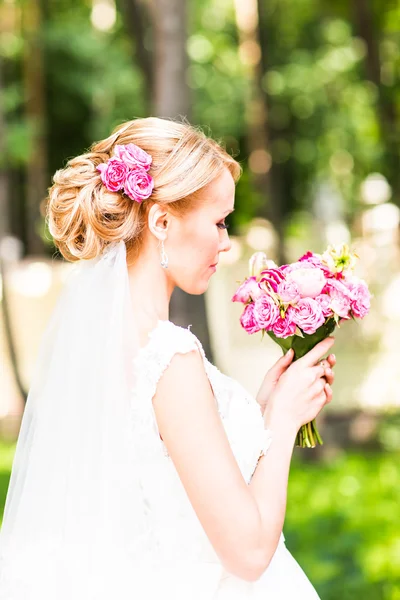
column 128, row 170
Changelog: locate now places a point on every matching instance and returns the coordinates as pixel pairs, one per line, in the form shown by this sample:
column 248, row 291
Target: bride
column 141, row 471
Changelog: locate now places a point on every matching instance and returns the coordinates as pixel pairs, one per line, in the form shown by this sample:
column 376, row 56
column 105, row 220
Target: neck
column 151, row 292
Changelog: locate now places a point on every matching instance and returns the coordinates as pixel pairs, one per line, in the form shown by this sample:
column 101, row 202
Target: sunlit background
column 306, row 95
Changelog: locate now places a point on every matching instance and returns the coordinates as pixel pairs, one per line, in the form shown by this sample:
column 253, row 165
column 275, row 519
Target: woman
column 141, row 471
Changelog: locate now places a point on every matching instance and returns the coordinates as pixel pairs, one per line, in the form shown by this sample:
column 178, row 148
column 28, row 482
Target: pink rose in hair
column 286, row 327
column 248, row 320
column 288, row 291
column 266, row 311
column 138, row 185
column 248, row 289
column 133, row 156
column 307, row 314
column 113, row 174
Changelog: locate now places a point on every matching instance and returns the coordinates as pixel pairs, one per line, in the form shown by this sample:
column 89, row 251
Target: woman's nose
column 226, row 244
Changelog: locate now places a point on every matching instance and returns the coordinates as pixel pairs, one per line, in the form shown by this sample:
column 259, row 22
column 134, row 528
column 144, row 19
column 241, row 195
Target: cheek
column 202, row 240
column 208, row 245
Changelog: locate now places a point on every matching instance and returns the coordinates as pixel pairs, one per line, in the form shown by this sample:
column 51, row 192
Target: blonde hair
column 84, row 217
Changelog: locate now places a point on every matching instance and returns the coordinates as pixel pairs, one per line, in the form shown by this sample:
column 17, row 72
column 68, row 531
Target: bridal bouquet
column 300, row 304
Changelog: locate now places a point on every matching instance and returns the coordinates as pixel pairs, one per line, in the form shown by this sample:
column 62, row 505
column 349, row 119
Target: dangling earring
column 164, row 257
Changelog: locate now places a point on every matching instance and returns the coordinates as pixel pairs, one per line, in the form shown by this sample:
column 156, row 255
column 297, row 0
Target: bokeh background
column 306, row 95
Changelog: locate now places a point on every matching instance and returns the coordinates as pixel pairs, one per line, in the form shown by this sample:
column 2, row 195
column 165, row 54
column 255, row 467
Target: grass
column 342, row 522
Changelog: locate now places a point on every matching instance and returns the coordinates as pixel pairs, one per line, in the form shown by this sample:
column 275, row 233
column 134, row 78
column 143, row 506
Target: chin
column 196, row 288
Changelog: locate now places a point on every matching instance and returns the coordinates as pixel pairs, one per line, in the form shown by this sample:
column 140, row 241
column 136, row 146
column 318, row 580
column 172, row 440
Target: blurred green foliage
column 341, row 524
column 327, row 119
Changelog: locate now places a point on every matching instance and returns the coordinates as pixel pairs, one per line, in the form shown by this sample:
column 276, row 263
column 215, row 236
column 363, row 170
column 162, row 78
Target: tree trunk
column 136, row 21
column 276, row 173
column 5, row 221
column 266, row 175
column 364, row 25
column 5, row 229
column 171, row 92
column 36, row 173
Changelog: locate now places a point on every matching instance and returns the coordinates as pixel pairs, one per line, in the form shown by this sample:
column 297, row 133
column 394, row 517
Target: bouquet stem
column 308, row 436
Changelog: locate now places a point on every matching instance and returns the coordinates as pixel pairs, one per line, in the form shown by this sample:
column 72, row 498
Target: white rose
column 309, row 281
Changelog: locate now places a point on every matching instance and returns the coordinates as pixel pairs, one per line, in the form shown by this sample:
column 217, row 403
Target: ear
column 158, row 220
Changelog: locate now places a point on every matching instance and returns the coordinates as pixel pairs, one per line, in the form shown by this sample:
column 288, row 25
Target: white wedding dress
column 178, row 561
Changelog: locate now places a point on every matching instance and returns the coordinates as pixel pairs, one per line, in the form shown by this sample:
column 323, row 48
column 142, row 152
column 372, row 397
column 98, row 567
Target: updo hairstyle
column 84, row 217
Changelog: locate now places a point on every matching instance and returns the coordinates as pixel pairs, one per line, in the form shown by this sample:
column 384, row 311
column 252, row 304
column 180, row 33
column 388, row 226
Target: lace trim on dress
column 165, row 341
column 239, row 411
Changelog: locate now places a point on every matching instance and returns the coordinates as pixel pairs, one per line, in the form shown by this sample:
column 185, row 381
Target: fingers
column 317, row 352
column 317, row 388
column 329, row 376
column 331, row 360
column 326, row 363
column 317, row 372
column 321, row 392
column 328, row 393
column 287, row 358
column 283, row 363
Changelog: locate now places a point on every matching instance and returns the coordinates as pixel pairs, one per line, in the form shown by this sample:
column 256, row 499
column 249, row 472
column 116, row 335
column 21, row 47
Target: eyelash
column 222, row 225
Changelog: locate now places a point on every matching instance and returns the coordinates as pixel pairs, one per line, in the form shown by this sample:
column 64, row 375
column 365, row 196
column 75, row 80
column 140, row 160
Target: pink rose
column 307, row 314
column 340, row 297
column 288, row 292
column 248, row 320
column 310, row 281
column 334, row 286
column 266, row 311
column 286, row 327
column 324, row 301
column 133, row 156
column 360, row 298
column 297, row 265
column 248, row 289
column 310, row 261
column 113, row 174
column 138, row 185
column 340, row 305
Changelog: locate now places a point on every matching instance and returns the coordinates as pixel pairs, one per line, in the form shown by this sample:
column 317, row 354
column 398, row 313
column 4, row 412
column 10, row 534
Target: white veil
column 74, row 513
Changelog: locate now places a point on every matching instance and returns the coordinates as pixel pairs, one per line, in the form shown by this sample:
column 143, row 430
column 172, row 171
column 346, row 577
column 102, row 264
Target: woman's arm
column 243, row 522
column 193, row 433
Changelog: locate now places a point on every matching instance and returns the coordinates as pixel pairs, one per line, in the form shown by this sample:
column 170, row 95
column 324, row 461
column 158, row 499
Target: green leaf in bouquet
column 302, row 345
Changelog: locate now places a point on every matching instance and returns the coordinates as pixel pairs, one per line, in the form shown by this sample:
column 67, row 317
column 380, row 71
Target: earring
column 164, row 257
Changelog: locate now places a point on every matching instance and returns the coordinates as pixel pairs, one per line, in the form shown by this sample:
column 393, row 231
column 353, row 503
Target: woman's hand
column 300, row 392
column 276, row 371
